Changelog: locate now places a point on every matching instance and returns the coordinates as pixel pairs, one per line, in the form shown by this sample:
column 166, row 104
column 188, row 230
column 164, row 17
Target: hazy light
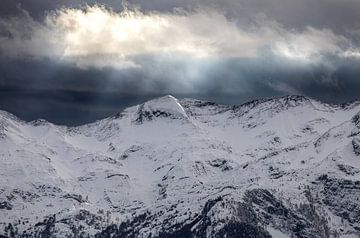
column 99, row 37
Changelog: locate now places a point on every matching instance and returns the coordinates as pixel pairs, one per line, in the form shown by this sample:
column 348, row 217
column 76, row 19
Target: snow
column 184, row 153
column 167, row 103
column 276, row 233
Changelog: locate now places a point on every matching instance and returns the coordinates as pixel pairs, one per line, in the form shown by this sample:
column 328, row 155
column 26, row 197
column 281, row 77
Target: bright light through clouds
column 100, row 32
column 311, row 44
column 99, row 37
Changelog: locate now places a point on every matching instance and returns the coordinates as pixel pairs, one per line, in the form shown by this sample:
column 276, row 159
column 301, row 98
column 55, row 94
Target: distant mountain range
column 277, row 167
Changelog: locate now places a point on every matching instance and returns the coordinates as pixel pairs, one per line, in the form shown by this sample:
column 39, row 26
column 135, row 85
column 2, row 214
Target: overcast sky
column 72, row 62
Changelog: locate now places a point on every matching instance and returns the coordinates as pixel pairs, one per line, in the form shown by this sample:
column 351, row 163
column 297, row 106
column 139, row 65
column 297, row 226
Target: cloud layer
column 98, row 37
column 95, row 60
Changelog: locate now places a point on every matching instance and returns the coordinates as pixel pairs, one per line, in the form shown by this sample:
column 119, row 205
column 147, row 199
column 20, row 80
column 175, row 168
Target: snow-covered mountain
column 278, row 167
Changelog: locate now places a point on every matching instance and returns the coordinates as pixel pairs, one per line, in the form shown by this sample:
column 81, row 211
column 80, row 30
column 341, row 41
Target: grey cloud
column 340, row 16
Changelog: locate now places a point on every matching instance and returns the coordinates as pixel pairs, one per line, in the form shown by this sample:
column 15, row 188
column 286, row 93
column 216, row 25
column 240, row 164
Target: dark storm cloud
column 102, row 93
column 273, row 48
column 36, row 8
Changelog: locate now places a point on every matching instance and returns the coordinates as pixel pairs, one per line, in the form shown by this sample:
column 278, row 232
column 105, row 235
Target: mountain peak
column 165, row 107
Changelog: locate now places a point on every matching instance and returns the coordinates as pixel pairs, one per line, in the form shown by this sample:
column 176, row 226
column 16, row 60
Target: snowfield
column 277, row 167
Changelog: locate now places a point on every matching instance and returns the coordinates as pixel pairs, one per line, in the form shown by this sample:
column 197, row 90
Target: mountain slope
column 280, row 167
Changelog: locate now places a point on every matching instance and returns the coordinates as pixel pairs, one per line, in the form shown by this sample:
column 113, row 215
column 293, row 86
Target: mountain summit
column 166, row 106
column 276, row 167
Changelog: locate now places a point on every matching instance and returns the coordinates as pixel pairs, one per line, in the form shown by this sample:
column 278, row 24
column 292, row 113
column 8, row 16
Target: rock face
column 356, row 146
column 277, row 167
column 166, row 107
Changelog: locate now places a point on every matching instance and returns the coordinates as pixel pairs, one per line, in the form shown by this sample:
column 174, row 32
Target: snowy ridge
column 280, row 167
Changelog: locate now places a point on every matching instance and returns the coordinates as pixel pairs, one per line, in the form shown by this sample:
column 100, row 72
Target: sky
column 72, row 62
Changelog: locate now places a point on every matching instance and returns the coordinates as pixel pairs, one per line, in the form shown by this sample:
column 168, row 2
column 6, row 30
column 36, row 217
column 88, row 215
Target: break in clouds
column 98, row 37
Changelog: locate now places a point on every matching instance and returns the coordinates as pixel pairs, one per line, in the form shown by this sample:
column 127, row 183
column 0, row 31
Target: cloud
column 95, row 36
column 67, row 61
column 99, row 37
column 310, row 44
column 283, row 88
